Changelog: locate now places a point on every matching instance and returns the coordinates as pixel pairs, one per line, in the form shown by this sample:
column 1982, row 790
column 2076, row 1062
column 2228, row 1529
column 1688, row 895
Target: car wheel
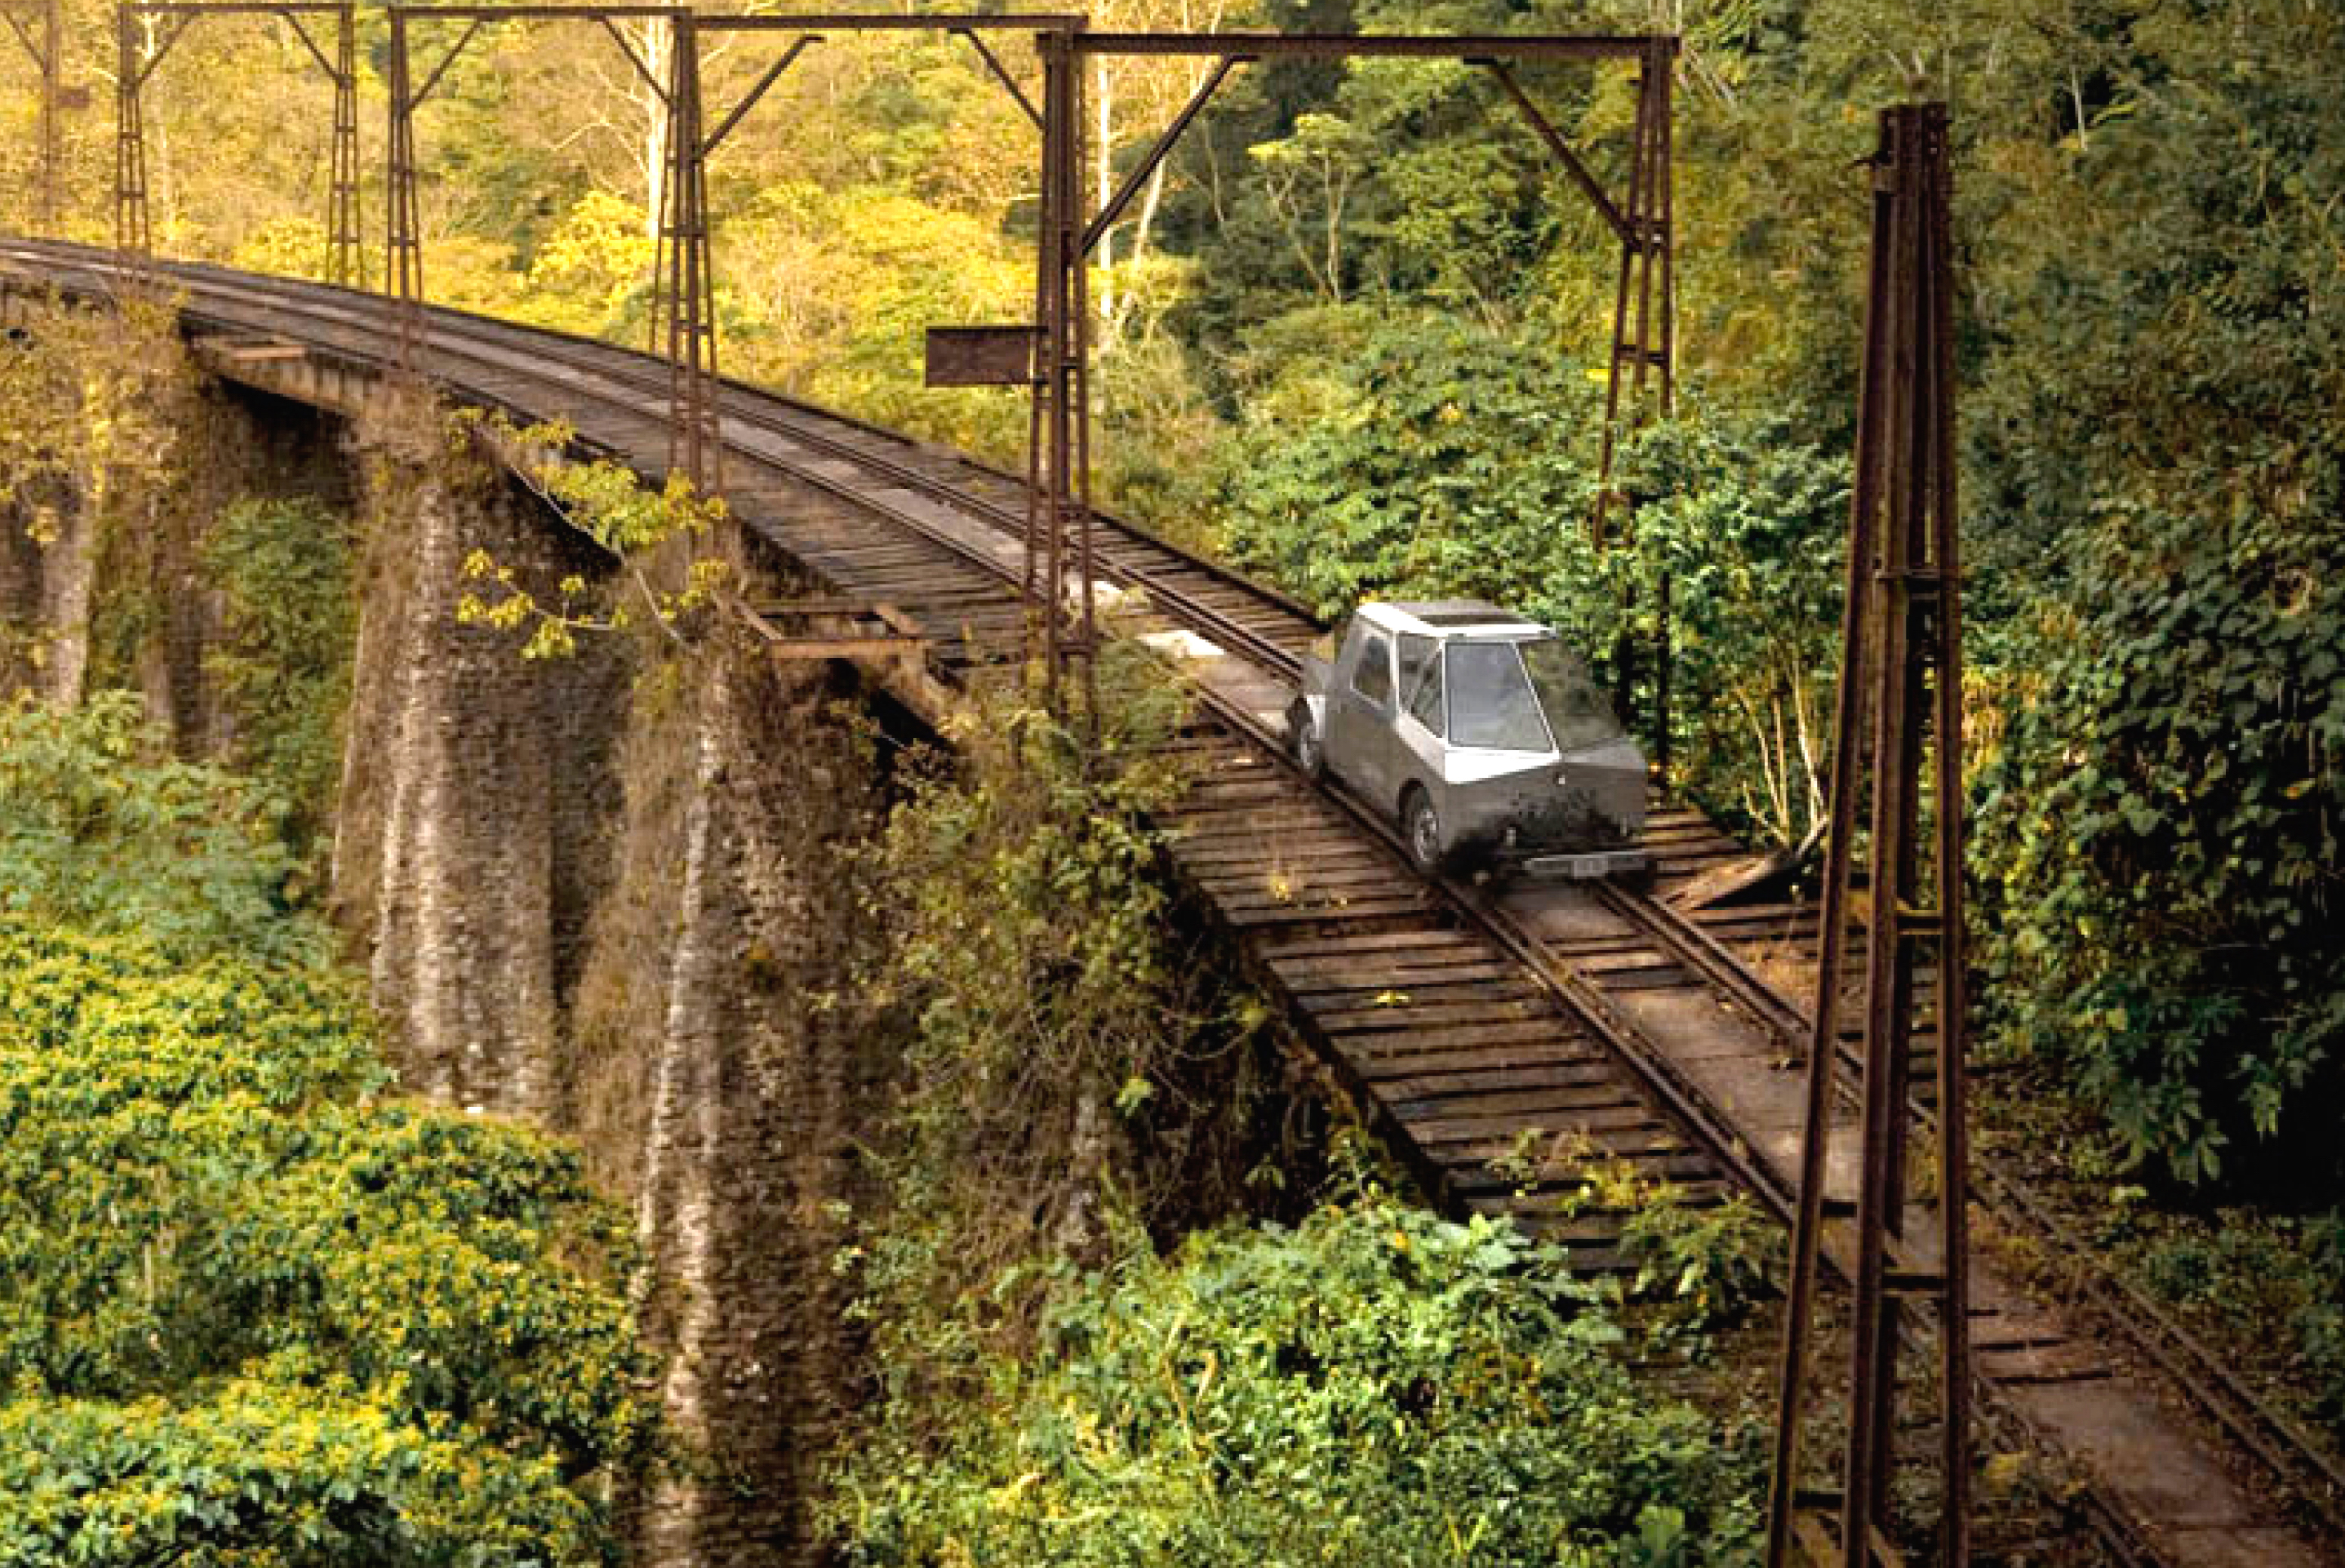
column 1310, row 751
column 1422, row 825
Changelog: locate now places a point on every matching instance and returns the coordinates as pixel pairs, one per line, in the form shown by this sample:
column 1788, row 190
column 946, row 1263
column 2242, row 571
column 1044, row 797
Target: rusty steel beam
column 757, row 90
column 1139, row 174
column 1058, row 455
column 133, row 242
column 1644, row 309
column 845, row 22
column 1373, row 45
column 686, row 275
column 1898, row 737
column 533, row 12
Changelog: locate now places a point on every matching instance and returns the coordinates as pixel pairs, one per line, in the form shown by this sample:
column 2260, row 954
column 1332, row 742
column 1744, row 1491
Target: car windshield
column 1575, row 709
column 1490, row 699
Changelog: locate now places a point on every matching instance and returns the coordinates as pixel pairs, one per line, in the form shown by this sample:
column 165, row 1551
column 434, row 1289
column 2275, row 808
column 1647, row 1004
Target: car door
column 1360, row 715
column 1419, row 722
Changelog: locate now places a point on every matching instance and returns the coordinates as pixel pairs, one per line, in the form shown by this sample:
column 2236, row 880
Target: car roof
column 1450, row 619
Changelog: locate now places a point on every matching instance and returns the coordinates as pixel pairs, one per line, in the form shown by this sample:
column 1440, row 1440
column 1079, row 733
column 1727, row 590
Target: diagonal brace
column 441, row 70
column 1002, row 75
column 1562, row 151
column 659, row 87
column 23, row 36
column 173, row 30
column 302, row 33
column 1098, row 226
column 749, row 99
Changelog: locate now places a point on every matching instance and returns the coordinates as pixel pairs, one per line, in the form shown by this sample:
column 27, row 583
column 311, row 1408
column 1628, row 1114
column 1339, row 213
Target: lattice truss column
column 1897, row 833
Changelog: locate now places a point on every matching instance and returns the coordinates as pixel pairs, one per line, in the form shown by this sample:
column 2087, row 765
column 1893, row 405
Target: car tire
column 1310, row 748
column 1420, row 824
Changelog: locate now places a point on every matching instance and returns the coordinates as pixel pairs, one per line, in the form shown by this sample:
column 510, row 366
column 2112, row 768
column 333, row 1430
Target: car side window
column 1373, row 679
column 1420, row 681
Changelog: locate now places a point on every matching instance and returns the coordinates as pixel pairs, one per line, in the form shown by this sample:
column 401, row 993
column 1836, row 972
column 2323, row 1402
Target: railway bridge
column 1644, row 1026
column 1649, row 1027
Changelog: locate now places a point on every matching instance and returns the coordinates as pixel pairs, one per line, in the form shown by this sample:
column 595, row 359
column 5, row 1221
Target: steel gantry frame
column 40, row 28
column 133, row 233
column 1899, row 735
column 686, row 269
column 1644, row 315
column 403, row 226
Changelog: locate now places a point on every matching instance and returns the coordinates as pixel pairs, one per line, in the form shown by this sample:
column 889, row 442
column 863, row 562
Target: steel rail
column 2291, row 1454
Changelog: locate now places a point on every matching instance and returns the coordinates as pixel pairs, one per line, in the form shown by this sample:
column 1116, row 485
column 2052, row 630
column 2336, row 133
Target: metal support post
column 1058, row 516
column 345, row 250
column 1899, row 715
column 1640, row 383
column 686, row 277
column 1644, row 306
column 42, row 39
column 133, row 242
column 402, row 260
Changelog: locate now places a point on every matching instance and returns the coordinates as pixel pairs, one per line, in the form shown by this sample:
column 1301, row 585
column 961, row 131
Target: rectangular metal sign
column 980, row 356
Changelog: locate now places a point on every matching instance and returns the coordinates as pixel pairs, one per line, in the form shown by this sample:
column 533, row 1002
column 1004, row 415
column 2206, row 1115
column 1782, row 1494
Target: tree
column 2161, row 469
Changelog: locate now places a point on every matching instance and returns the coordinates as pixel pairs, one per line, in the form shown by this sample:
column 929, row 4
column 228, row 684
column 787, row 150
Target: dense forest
column 1353, row 342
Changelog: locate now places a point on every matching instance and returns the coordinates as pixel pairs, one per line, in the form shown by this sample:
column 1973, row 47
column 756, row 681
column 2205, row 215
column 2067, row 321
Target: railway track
column 1472, row 1022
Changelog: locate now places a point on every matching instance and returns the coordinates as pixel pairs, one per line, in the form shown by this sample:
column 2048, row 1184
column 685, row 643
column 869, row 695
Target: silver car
column 1481, row 732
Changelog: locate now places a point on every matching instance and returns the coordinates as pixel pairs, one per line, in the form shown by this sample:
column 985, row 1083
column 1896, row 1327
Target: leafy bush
column 98, row 835
column 2274, row 1286
column 270, row 1477
column 2158, row 826
column 208, row 1221
column 1376, row 1386
column 283, row 568
column 1744, row 523
column 250, row 1310
column 1060, row 1054
column 1409, row 454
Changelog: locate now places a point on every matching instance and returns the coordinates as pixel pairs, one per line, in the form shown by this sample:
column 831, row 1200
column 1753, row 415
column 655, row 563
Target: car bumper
column 1589, row 865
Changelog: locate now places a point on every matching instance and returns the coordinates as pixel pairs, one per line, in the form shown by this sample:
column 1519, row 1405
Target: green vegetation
column 1375, row 1386
column 100, row 832
column 2159, row 821
column 1058, row 1048
column 1373, row 1383
column 253, row 1310
column 284, row 569
column 2277, row 1285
